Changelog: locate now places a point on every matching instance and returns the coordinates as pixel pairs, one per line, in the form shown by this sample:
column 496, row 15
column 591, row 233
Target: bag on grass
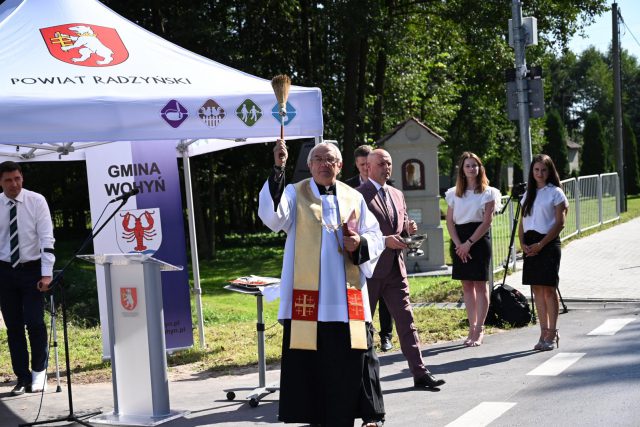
column 508, row 305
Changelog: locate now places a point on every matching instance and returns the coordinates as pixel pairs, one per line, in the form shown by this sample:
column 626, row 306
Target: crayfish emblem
column 138, row 232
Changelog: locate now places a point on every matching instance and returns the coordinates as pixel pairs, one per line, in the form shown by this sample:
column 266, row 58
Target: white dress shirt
column 333, row 295
column 470, row 207
column 378, row 186
column 35, row 229
column 543, row 212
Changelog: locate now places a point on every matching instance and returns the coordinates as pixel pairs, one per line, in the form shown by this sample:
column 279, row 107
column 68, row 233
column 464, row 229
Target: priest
column 330, row 371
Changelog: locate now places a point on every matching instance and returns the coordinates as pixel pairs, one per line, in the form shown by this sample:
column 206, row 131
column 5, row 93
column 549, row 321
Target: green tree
column 594, row 148
column 556, row 143
column 631, row 166
column 561, row 87
column 630, row 69
column 595, row 95
column 377, row 63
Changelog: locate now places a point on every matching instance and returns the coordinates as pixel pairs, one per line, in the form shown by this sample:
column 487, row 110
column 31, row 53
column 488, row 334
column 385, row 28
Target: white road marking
column 482, row 415
column 556, row 364
column 611, row 326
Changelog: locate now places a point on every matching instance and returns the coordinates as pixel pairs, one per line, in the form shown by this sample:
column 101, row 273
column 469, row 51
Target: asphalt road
column 591, row 380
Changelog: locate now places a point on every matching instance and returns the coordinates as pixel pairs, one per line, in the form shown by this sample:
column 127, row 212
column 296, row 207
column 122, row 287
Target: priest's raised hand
column 280, row 153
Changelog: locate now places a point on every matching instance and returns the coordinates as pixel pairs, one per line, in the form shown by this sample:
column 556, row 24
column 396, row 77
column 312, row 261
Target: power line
column 628, row 29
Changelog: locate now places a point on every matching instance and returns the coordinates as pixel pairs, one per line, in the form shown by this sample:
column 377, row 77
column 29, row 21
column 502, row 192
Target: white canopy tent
column 76, row 74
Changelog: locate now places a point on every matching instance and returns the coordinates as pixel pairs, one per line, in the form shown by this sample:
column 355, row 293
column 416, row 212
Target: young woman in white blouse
column 544, row 209
column 472, row 203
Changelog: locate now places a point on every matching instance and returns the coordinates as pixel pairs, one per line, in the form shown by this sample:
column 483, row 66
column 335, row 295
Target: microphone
column 125, row 196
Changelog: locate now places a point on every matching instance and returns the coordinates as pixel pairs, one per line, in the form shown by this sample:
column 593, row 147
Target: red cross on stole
column 354, row 301
column 305, row 305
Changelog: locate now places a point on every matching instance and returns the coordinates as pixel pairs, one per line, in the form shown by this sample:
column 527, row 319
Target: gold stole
column 306, row 269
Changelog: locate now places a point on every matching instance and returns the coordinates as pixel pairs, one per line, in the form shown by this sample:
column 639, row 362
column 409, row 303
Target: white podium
column 136, row 339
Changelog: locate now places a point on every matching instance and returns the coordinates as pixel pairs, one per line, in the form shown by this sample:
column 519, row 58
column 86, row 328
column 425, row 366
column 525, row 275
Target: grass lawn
column 230, row 317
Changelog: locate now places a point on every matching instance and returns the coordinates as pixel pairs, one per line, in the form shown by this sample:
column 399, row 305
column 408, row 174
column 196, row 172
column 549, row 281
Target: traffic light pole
column 519, row 40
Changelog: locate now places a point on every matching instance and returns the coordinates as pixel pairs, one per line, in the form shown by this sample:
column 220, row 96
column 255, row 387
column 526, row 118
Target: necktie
column 13, row 234
column 388, row 204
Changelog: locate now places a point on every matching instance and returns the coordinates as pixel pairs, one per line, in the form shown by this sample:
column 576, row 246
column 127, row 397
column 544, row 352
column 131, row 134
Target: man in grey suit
column 389, row 279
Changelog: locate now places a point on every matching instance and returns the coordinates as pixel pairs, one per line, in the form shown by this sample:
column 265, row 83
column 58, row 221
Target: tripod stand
column 57, row 283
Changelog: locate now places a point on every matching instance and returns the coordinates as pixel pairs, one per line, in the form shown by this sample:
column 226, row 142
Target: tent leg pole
column 193, row 244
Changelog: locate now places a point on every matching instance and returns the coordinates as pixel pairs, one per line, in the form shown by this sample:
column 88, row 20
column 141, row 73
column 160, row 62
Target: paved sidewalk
column 602, row 266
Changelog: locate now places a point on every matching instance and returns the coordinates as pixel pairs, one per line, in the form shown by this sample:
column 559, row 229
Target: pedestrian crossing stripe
column 557, row 364
column 611, row 326
column 482, row 415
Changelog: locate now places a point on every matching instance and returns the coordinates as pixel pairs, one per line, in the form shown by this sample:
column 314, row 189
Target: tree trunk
column 156, row 16
column 213, row 225
column 497, row 173
column 200, row 219
column 219, row 214
column 378, row 105
column 350, row 101
column 362, row 89
column 306, row 41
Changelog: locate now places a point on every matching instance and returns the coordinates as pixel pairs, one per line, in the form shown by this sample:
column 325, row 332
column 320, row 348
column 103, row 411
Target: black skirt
column 477, row 268
column 543, row 268
column 333, row 385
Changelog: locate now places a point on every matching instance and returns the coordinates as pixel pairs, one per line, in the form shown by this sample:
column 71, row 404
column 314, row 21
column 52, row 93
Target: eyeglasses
column 330, row 160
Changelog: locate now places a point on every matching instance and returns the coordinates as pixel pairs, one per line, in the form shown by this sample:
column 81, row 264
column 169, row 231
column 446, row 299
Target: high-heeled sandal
column 540, row 342
column 548, row 344
column 479, row 331
column 467, row 342
column 478, row 341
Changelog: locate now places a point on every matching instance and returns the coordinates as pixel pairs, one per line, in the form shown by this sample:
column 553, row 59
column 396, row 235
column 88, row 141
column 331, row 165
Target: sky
column 599, row 35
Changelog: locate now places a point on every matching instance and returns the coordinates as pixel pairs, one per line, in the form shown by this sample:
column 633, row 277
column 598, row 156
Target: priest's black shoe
column 427, row 381
column 385, row 344
column 20, row 388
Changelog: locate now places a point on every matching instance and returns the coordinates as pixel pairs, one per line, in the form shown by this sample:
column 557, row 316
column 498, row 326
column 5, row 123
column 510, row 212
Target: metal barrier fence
column 593, row 200
column 501, row 227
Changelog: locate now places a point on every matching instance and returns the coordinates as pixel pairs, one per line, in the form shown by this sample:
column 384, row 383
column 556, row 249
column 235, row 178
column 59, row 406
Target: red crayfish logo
column 141, row 229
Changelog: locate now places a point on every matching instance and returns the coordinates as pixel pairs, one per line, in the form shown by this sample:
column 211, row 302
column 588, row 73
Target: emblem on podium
column 139, row 230
column 129, row 298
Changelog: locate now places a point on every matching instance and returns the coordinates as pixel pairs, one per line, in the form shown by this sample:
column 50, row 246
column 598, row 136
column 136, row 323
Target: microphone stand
column 57, row 278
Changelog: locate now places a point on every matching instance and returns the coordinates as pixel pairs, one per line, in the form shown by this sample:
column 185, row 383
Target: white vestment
column 332, row 289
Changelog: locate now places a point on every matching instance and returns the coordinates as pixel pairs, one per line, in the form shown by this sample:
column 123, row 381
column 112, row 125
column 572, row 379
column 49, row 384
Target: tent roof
column 128, row 87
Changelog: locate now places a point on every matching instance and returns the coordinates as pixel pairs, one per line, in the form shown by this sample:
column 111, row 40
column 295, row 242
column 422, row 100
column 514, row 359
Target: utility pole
column 617, row 104
column 519, row 41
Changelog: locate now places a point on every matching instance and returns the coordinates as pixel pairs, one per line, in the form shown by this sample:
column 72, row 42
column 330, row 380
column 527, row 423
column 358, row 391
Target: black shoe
column 385, row 344
column 20, row 388
column 427, row 381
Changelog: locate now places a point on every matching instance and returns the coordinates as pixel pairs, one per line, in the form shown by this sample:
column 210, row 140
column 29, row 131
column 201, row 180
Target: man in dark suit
column 360, row 155
column 389, row 279
column 386, row 322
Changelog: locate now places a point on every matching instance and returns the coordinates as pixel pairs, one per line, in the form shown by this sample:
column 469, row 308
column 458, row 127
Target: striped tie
column 13, row 234
column 388, row 205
